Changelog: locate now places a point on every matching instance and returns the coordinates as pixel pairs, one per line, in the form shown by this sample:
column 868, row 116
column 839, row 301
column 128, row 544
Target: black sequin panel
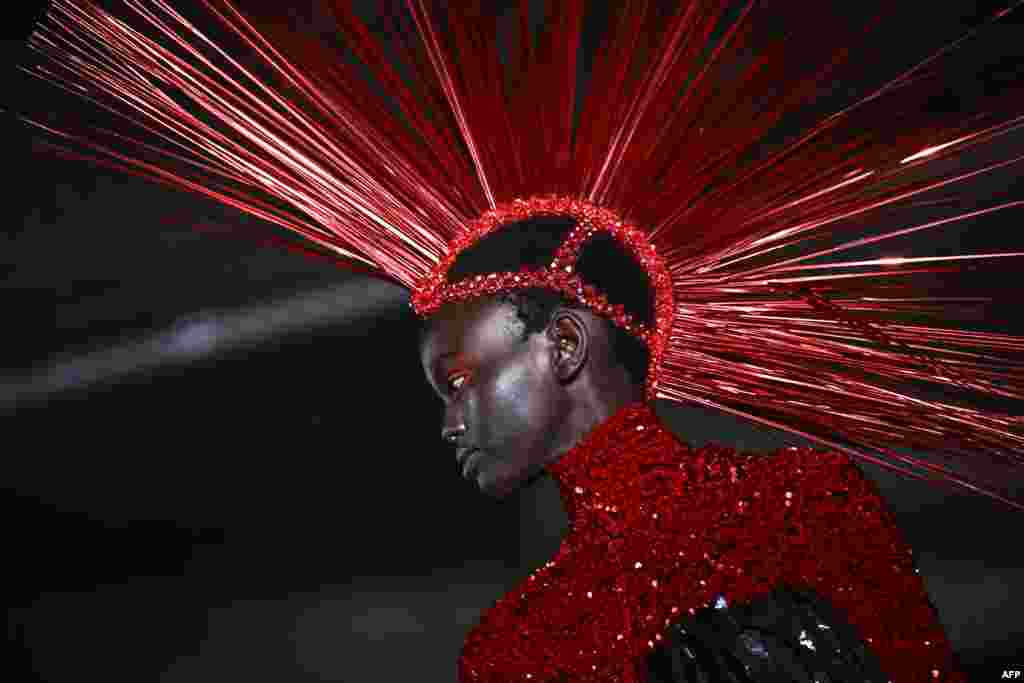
column 786, row 636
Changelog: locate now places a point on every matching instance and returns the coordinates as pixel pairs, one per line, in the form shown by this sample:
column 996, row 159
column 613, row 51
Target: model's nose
column 451, row 434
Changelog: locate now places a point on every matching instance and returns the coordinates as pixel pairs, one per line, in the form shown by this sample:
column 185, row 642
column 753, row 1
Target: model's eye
column 451, row 383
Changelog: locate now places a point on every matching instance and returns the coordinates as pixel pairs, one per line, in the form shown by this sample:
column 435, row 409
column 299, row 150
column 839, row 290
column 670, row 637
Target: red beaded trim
column 434, row 290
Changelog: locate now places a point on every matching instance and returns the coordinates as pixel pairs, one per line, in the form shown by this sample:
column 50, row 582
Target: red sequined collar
column 604, row 464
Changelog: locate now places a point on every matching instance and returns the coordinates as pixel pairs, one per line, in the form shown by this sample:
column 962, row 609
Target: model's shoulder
column 795, row 461
column 814, row 473
column 791, row 462
column 796, row 456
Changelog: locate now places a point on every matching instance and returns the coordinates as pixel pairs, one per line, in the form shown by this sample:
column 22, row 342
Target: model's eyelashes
column 452, row 390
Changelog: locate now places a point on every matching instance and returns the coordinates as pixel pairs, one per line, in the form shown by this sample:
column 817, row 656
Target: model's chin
column 494, row 489
column 495, row 486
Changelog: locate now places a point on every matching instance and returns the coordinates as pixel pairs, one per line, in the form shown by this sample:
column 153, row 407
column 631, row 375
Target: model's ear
column 570, row 343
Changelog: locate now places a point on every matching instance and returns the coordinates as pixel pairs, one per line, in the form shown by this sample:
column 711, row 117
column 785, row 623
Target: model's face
column 503, row 390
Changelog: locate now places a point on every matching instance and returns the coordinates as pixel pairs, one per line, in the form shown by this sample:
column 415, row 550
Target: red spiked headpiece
column 426, row 135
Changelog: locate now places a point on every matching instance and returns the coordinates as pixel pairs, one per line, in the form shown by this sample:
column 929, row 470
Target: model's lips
column 461, row 455
column 469, row 463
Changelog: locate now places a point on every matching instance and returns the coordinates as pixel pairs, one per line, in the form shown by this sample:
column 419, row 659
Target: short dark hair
column 603, row 263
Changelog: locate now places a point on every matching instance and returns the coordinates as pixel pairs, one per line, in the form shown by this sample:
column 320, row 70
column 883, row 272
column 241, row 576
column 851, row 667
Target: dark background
column 221, row 461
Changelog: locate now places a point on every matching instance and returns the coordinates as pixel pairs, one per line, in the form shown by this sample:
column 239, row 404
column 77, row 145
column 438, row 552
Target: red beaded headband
column 435, row 290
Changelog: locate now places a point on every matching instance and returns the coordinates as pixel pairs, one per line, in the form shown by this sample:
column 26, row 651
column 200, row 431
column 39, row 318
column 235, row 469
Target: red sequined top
column 658, row 530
